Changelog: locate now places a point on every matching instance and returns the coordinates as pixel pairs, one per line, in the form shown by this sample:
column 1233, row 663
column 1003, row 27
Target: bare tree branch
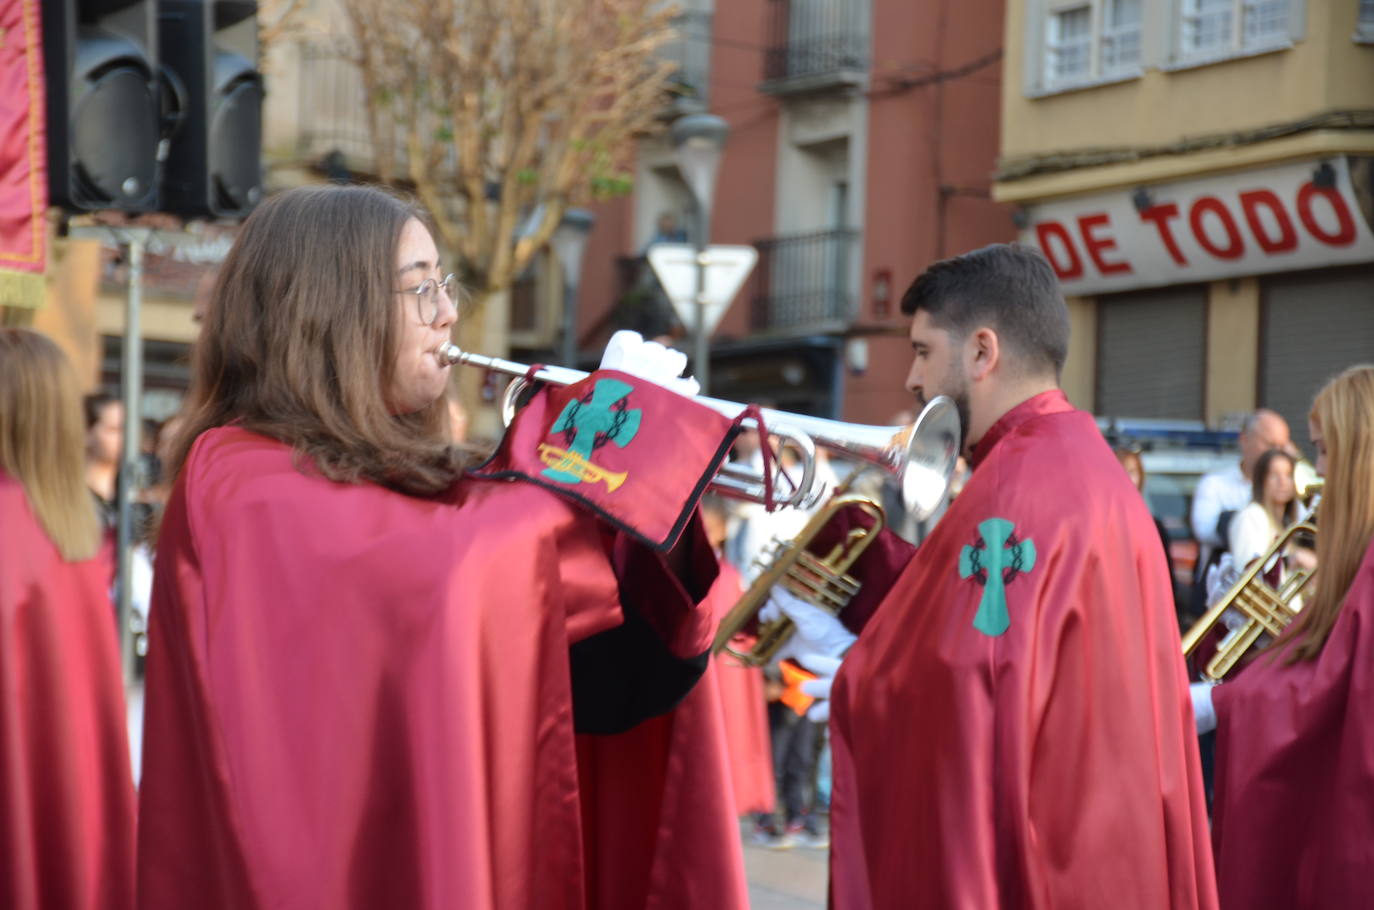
column 505, row 108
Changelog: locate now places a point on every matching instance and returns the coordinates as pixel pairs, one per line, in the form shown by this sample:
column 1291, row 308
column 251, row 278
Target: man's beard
column 955, row 388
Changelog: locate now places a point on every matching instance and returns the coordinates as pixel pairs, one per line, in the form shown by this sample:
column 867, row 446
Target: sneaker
column 806, row 834
column 768, row 836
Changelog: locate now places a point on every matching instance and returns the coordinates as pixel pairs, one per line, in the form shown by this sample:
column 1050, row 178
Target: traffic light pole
column 131, row 390
column 701, row 351
column 135, row 239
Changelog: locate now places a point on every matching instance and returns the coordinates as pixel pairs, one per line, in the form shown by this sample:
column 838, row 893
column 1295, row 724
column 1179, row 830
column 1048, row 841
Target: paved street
column 786, row 879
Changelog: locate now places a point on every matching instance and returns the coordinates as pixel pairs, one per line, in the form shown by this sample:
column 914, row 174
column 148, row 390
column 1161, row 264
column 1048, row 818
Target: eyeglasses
column 427, row 297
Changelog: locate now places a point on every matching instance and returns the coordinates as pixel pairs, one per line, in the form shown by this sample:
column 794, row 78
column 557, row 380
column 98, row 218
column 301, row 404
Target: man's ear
column 985, row 352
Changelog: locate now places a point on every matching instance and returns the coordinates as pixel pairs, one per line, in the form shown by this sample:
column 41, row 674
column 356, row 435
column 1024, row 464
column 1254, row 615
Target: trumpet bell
column 931, row 451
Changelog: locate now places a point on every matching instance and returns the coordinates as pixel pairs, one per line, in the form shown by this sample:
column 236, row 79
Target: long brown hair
column 1344, row 412
column 43, row 440
column 298, row 342
column 1261, row 477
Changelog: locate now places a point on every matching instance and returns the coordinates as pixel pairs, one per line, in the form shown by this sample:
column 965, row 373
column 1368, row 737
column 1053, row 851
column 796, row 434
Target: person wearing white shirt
column 1222, row 493
column 1274, row 506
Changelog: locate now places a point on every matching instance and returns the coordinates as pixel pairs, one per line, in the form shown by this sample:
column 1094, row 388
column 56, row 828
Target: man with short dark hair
column 1012, row 727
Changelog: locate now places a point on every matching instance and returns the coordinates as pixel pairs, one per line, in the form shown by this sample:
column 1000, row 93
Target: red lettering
column 1046, row 231
column 1250, row 202
column 1087, row 226
column 1236, row 247
column 1159, row 215
column 1345, row 235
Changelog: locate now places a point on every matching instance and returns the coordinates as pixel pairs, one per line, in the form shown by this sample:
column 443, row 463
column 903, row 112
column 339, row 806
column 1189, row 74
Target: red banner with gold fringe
column 23, row 155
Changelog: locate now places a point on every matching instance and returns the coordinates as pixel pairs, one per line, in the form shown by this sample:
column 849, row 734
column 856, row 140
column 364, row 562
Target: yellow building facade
column 1201, row 176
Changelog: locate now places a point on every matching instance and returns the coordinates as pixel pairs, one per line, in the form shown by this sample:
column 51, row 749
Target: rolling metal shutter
column 1150, row 353
column 1314, row 325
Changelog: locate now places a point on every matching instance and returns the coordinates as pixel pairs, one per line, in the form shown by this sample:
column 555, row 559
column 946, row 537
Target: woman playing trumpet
column 1294, row 808
column 366, row 666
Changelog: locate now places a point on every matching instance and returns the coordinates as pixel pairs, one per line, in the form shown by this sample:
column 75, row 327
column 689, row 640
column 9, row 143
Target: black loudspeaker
column 209, row 57
column 103, row 108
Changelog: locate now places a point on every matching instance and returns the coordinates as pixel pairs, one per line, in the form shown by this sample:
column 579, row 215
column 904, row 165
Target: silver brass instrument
column 1266, row 610
column 933, row 446
column 896, row 449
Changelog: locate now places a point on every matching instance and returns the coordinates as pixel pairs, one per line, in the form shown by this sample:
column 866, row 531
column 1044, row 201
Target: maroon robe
column 1012, row 728
column 659, row 818
column 362, row 699
column 1293, row 817
column 744, row 708
column 66, row 790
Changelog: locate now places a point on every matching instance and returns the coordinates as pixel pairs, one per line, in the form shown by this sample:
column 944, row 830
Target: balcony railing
column 804, row 282
column 815, row 44
column 690, row 52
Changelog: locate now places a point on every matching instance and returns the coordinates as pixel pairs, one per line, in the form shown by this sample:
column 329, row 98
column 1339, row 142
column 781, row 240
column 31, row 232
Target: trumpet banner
column 635, row 453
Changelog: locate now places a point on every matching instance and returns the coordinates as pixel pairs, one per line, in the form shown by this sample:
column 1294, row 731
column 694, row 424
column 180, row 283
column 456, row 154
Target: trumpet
column 824, row 581
column 896, row 449
column 1266, row 610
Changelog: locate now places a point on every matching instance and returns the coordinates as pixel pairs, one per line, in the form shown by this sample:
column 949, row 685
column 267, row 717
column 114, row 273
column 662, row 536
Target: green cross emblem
column 994, row 562
column 603, row 415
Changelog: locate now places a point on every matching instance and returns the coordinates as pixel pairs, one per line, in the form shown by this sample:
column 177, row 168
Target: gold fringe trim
column 21, row 289
column 16, row 317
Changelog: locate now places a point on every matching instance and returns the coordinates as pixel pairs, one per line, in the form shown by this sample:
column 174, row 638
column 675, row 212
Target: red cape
column 66, row 790
column 1046, row 756
column 1293, row 817
column 360, row 699
column 744, row 710
column 658, row 814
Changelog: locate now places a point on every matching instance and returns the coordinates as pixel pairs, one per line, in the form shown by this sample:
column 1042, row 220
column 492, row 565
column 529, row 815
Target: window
column 1207, row 26
column 1069, row 46
column 1266, row 22
column 1211, row 29
column 1089, row 42
column 1121, row 37
column 1364, row 27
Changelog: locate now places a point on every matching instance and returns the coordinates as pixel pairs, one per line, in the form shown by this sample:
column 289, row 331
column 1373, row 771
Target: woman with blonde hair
column 66, row 791
column 1294, row 809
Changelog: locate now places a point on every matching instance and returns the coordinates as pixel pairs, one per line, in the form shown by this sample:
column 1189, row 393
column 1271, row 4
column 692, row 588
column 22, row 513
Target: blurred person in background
column 1135, row 469
column 149, row 467
column 1294, row 810
column 104, row 447
column 1221, row 494
column 67, row 825
column 156, row 493
column 1273, row 507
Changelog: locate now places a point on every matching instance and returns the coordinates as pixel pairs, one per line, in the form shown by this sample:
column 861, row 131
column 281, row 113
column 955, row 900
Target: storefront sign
column 1281, row 219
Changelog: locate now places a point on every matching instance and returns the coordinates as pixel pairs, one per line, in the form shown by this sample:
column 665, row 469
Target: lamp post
column 698, row 140
column 569, row 242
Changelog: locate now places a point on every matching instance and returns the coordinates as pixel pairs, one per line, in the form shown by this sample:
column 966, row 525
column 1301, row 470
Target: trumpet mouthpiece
column 449, row 354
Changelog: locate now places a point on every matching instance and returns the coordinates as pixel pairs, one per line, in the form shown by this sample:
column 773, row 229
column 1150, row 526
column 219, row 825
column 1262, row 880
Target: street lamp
column 698, row 140
column 569, row 242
